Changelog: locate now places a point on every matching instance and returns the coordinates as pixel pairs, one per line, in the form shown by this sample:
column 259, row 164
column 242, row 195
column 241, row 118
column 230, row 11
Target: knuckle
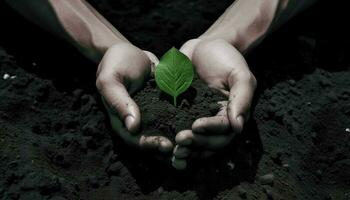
column 101, row 82
column 105, row 80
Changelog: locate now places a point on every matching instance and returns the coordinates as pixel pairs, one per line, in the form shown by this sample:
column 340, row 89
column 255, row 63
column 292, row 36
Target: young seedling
column 174, row 73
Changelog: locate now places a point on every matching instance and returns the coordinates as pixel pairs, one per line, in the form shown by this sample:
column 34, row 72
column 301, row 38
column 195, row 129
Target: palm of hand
column 222, row 67
column 122, row 71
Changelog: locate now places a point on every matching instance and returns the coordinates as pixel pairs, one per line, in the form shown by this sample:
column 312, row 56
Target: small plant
column 174, row 73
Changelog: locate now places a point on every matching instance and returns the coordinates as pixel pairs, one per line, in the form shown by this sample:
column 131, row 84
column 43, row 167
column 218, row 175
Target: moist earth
column 161, row 117
column 56, row 142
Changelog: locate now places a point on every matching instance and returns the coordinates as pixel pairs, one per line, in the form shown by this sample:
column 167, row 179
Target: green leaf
column 174, row 73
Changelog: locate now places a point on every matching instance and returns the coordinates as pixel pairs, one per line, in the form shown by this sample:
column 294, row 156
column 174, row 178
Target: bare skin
column 119, row 76
column 222, row 67
column 218, row 58
column 123, row 67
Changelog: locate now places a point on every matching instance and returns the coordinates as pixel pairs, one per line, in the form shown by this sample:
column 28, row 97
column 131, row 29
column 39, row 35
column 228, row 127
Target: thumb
column 241, row 95
column 118, row 102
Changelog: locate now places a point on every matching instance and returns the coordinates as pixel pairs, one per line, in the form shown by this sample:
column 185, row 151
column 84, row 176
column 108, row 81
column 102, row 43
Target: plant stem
column 174, row 100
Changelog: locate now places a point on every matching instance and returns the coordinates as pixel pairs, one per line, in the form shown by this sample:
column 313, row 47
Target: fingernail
column 240, row 120
column 129, row 120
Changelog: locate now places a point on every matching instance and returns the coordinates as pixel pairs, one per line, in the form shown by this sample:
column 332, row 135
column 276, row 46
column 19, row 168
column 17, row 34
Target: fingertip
column 119, row 103
column 131, row 124
column 237, row 123
column 197, row 126
column 184, row 137
column 165, row 146
column 132, row 116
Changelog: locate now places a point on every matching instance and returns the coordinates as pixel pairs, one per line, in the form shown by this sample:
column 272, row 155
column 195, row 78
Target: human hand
column 122, row 71
column 221, row 66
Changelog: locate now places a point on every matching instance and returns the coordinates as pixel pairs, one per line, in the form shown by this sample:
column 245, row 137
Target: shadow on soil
column 237, row 163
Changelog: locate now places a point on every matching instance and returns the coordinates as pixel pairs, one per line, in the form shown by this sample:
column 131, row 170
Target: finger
column 242, row 86
column 154, row 60
column 159, row 143
column 119, row 102
column 187, row 137
column 181, row 152
column 118, row 127
column 184, row 137
column 155, row 143
column 179, row 164
column 211, row 125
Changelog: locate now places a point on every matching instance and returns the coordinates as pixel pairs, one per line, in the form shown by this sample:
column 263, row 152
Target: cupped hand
column 221, row 66
column 122, row 71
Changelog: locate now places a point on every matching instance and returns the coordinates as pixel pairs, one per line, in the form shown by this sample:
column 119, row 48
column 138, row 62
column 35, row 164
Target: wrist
column 242, row 38
column 191, row 45
column 103, row 42
column 245, row 23
column 97, row 49
column 130, row 52
column 233, row 38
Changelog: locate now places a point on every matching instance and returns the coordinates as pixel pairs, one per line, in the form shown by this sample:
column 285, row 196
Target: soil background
column 56, row 143
column 162, row 117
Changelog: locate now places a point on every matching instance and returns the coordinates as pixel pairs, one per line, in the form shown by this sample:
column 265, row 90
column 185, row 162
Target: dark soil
column 56, row 143
column 161, row 117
